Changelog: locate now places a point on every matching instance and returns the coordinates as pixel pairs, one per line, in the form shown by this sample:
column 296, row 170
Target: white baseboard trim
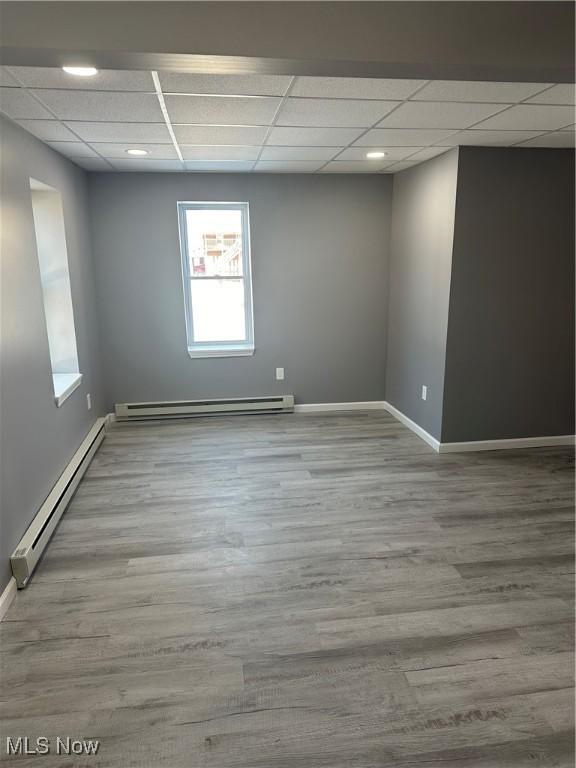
column 416, row 428
column 509, row 444
column 383, row 405
column 7, row 596
column 479, row 445
column 365, row 405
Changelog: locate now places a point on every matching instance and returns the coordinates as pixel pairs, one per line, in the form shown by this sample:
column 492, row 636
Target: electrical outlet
column 424, row 392
column 279, row 374
column 89, row 401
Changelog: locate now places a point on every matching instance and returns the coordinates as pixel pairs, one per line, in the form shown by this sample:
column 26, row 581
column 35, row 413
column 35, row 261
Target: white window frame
column 231, row 348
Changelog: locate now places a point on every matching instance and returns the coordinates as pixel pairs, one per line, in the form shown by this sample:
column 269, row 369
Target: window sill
column 221, row 351
column 64, row 385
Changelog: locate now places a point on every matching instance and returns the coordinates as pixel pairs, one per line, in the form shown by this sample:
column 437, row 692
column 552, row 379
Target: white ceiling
column 272, row 123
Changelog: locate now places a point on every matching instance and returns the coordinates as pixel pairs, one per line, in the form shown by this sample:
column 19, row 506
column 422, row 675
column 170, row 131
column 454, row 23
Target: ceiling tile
column 235, row 135
column 18, row 104
column 102, row 106
column 288, row 167
column 48, row 130
column 397, row 167
column 219, row 153
column 420, row 157
column 105, row 80
column 92, row 164
column 392, row 154
column 147, row 165
column 143, row 133
column 310, row 137
column 530, row 117
column 223, row 167
column 558, row 140
column 355, row 88
column 235, row 85
column 343, row 113
column 72, row 148
column 6, row 78
column 465, row 90
column 298, row 153
column 350, row 167
column 559, row 94
column 222, row 110
column 427, row 154
column 437, row 114
column 487, row 138
column 155, row 151
column 387, row 137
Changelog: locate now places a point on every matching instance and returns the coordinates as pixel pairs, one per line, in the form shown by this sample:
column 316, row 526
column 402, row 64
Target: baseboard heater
column 178, row 409
column 29, row 550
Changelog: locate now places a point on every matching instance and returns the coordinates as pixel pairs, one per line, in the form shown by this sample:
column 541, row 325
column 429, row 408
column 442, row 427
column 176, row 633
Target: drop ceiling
column 276, row 123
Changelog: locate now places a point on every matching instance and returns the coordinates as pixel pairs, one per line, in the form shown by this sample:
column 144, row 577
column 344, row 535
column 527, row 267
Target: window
column 215, row 245
column 55, row 278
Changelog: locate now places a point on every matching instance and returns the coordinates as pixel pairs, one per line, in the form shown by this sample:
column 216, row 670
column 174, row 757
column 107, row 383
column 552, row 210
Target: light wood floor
column 307, row 591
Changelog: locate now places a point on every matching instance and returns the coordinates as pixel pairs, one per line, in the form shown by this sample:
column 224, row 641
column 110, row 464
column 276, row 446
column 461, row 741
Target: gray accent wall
column 319, row 262
column 510, row 353
column 424, row 202
column 37, row 438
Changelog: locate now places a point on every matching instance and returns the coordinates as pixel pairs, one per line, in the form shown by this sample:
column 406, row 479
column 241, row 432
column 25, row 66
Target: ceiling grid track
column 39, row 101
column 167, row 120
column 352, row 143
column 222, row 123
column 505, row 108
column 285, row 97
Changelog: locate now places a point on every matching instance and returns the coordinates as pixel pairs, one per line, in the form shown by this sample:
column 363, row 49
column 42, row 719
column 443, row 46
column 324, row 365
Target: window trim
column 198, row 349
column 64, row 385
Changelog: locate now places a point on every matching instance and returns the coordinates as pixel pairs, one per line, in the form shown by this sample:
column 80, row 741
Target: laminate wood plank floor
column 301, row 591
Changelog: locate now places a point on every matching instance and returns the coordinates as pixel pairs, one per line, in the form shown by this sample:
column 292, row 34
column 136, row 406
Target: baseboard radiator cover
column 29, row 551
column 179, row 409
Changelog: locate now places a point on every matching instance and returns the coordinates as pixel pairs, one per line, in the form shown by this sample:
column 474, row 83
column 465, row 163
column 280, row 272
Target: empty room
column 287, row 384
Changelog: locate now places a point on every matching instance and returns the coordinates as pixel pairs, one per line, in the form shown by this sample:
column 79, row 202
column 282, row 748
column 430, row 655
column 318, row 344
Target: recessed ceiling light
column 375, row 155
column 136, row 152
column 81, row 71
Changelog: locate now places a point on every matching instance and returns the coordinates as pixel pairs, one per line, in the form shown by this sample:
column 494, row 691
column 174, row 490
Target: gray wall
column 421, row 261
column 480, row 288
column 37, row 438
column 319, row 257
column 510, row 354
